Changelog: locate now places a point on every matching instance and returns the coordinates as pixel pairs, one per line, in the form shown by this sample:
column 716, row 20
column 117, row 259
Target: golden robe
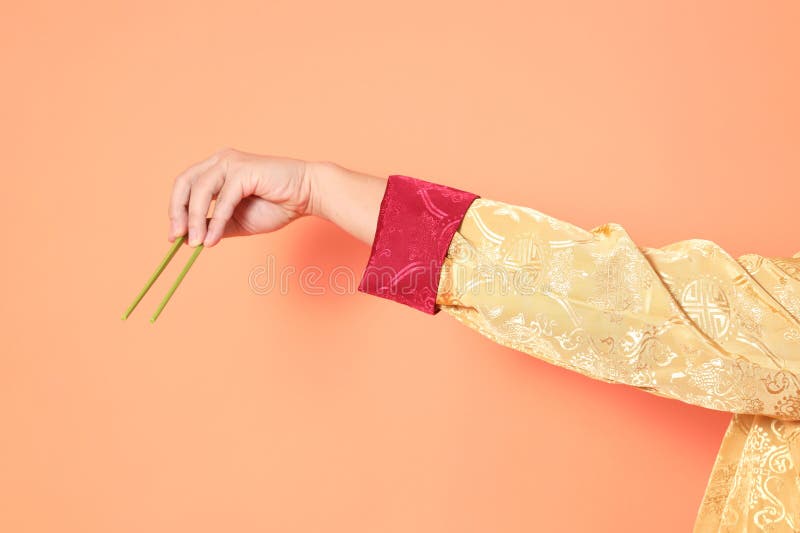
column 685, row 321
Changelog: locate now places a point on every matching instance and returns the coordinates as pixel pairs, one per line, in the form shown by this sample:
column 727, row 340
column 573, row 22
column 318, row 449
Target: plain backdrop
column 259, row 411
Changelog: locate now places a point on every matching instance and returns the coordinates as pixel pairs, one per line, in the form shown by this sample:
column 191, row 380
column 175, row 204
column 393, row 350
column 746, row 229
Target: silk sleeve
column 685, row 321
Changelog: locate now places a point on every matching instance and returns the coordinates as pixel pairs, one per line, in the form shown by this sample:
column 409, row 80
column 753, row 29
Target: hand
column 254, row 194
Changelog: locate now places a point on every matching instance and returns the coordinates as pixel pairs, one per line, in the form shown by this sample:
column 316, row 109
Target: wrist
column 318, row 177
column 345, row 197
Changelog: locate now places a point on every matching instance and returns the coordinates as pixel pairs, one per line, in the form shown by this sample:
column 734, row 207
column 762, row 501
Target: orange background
column 294, row 412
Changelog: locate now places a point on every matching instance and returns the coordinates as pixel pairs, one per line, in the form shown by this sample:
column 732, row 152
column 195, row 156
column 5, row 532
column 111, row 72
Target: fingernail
column 173, row 229
column 193, row 239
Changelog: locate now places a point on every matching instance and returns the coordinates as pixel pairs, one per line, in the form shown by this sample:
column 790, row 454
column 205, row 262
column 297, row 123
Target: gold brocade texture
column 685, row 321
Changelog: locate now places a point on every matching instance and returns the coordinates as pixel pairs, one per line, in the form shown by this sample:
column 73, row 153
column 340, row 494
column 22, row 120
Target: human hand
column 254, row 194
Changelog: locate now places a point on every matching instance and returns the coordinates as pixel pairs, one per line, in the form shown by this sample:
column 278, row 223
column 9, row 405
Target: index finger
column 179, row 198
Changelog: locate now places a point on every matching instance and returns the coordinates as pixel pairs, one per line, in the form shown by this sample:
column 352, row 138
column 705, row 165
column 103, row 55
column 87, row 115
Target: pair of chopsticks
column 170, row 254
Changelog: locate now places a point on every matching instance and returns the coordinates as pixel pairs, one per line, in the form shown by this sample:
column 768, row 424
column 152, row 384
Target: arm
column 685, row 321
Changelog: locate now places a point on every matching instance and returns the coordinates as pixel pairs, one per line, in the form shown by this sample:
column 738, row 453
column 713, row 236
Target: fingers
column 228, row 198
column 203, row 190
column 179, row 199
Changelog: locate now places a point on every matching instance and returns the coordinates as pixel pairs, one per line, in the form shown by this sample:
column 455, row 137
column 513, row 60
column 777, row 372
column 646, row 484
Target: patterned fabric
column 416, row 222
column 685, row 321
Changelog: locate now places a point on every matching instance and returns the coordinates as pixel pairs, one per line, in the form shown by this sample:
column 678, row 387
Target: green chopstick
column 197, row 250
column 164, row 262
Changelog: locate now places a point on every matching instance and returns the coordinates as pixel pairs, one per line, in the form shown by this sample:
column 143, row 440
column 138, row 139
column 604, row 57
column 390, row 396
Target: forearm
column 348, row 198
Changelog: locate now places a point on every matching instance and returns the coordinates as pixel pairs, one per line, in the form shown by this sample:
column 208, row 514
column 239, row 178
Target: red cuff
column 416, row 223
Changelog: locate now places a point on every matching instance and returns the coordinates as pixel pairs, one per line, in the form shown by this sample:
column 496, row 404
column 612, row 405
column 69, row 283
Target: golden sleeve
column 685, row 321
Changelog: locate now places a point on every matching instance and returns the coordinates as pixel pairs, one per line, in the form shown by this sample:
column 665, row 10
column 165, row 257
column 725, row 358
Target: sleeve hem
column 416, row 224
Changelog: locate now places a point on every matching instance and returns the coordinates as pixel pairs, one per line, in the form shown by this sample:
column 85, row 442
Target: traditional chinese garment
column 685, row 321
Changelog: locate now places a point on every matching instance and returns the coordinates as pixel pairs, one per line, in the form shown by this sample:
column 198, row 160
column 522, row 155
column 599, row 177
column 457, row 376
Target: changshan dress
column 685, row 321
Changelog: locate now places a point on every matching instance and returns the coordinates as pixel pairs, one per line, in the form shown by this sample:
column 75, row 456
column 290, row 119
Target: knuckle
column 200, row 184
column 175, row 211
column 194, row 211
column 203, row 184
column 225, row 152
column 228, row 156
